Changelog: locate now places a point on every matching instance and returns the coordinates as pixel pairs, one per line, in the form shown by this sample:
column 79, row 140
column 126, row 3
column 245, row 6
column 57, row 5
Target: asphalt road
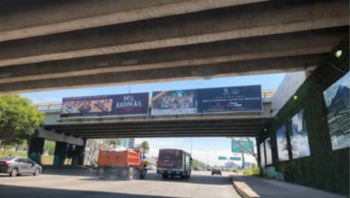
column 73, row 184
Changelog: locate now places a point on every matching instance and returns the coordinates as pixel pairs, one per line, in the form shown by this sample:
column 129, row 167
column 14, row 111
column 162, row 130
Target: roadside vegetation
column 18, row 120
column 254, row 171
column 199, row 164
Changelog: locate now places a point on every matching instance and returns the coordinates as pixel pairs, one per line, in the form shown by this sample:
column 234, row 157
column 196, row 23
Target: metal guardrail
column 41, row 106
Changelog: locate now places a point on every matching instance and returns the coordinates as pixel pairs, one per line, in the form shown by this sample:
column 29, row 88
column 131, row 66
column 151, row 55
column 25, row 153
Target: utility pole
column 191, row 146
column 207, row 161
column 243, row 160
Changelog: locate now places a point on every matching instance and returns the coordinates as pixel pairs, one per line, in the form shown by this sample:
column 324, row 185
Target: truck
column 174, row 162
column 126, row 164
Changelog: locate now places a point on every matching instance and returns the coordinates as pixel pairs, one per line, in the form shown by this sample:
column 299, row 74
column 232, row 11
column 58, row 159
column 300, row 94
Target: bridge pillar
column 78, row 159
column 60, row 154
column 36, row 149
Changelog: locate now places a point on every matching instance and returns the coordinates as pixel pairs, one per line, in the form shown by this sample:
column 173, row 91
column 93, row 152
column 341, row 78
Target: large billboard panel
column 338, row 112
column 174, row 102
column 268, row 151
column 107, row 105
column 237, row 148
column 298, row 137
column 282, row 146
column 213, row 100
column 230, row 99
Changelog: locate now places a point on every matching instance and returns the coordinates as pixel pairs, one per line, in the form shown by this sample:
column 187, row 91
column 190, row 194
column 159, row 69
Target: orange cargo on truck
column 121, row 164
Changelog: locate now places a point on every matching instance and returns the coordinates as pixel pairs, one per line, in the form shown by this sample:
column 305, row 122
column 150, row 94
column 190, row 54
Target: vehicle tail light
column 5, row 163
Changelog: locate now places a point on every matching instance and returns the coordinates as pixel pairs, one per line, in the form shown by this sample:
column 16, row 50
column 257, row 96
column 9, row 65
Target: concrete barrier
column 244, row 190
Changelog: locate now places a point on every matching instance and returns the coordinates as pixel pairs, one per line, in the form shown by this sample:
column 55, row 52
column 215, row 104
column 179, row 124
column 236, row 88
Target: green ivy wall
column 325, row 169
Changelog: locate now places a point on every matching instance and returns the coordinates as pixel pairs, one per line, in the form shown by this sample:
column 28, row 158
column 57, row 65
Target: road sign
column 236, row 148
column 222, row 158
column 235, row 158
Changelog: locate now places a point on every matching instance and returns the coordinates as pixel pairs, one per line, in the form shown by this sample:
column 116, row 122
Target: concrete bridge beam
column 59, row 137
column 263, row 66
column 270, row 18
column 22, row 19
column 297, row 44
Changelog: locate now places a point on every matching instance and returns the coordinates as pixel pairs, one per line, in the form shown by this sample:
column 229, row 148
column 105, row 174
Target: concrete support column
column 36, row 149
column 60, row 153
column 78, row 159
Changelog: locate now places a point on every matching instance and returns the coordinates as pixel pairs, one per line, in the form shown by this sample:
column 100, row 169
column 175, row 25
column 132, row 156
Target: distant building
column 231, row 165
column 128, row 143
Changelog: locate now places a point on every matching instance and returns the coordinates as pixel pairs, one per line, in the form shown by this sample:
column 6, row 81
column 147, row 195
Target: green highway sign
column 235, row 158
column 222, row 158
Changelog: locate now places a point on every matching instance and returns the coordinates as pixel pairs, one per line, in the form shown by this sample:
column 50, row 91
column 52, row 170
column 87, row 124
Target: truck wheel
column 165, row 176
column 143, row 174
column 131, row 173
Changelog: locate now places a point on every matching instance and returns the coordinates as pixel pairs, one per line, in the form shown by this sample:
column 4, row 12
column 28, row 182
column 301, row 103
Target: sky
column 206, row 150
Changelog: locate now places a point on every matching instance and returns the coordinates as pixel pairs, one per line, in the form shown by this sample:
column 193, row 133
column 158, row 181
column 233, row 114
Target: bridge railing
column 42, row 106
column 268, row 93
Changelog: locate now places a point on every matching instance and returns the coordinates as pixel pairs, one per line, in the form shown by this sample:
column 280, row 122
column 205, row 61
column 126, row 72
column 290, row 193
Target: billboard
column 282, row 147
column 298, row 137
column 213, row 100
column 338, row 112
column 248, row 145
column 230, row 99
column 174, row 102
column 268, row 151
column 262, row 154
column 107, row 105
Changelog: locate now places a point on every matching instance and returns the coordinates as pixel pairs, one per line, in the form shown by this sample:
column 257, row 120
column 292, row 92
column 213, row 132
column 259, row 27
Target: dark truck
column 173, row 162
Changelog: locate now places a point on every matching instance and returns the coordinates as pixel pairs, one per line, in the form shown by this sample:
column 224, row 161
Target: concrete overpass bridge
column 71, row 133
column 201, row 125
column 56, row 44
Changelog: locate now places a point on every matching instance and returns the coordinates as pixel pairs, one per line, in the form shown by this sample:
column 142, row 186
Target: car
column 15, row 166
column 216, row 171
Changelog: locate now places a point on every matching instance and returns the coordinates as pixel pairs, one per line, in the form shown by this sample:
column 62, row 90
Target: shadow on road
column 8, row 191
column 195, row 179
column 22, row 175
column 69, row 172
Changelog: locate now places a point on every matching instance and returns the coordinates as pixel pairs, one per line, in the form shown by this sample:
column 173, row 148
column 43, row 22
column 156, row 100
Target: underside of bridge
column 212, row 128
column 56, row 44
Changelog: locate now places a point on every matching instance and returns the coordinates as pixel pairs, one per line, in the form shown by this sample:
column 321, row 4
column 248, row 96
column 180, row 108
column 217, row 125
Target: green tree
column 50, row 147
column 145, row 146
column 118, row 142
column 115, row 142
column 18, row 119
column 198, row 164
